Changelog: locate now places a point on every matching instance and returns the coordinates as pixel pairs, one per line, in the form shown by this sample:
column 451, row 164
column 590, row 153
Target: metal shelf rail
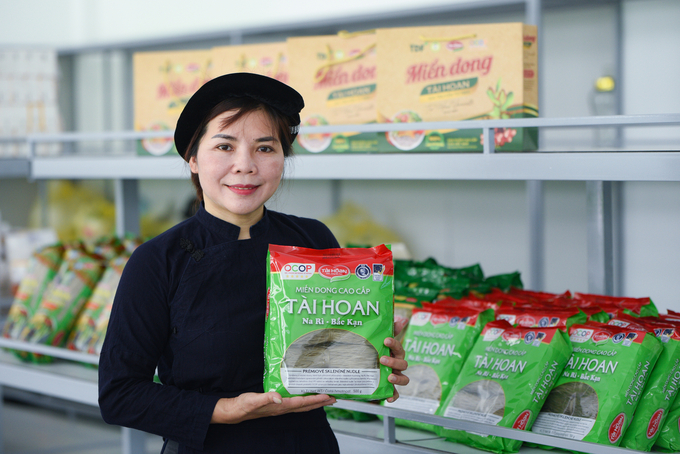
column 78, row 383
column 63, row 380
column 620, row 165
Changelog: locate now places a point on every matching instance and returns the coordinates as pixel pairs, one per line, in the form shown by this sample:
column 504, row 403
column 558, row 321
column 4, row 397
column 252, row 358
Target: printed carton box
column 163, row 83
column 461, row 72
column 336, row 75
column 269, row 59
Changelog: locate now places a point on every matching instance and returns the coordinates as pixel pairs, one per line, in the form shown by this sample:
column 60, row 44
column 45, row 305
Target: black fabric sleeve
column 137, row 335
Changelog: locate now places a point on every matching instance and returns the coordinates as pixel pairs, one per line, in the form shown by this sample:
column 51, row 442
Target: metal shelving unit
column 78, row 383
column 598, row 168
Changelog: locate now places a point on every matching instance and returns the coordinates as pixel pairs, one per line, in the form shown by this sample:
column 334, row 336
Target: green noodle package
column 668, row 439
column 437, row 343
column 505, row 380
column 329, row 312
column 662, row 386
column 602, row 384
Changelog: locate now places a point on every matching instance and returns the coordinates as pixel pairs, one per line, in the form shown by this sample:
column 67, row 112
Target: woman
column 191, row 301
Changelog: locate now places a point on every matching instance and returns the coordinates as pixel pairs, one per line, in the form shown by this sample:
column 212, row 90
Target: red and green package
column 471, row 302
column 83, row 332
column 541, row 316
column 534, row 296
column 63, row 299
column 661, row 389
column 505, row 380
column 329, row 312
column 641, row 307
column 668, row 439
column 600, row 388
column 437, row 343
column 42, row 267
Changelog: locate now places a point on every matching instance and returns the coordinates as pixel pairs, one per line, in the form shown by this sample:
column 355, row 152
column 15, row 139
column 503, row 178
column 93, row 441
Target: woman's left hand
column 398, row 364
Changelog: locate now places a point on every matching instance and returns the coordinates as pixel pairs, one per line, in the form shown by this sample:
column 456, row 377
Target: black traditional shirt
column 191, row 304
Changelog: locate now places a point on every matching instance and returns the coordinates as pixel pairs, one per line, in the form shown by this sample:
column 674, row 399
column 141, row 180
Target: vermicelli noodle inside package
column 329, row 312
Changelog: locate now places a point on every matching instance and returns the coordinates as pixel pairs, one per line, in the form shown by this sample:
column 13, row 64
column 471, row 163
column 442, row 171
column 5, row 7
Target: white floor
column 29, row 429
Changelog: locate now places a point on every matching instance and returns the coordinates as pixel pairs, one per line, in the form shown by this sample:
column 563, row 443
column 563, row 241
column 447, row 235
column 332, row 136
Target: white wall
column 457, row 222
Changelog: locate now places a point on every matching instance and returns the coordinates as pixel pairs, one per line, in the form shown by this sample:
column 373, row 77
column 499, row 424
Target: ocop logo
column 335, row 272
column 298, row 271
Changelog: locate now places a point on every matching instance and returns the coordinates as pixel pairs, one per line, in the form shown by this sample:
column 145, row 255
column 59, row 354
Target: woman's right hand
column 259, row 405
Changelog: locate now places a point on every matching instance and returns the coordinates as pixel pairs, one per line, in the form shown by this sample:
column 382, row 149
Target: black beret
column 260, row 88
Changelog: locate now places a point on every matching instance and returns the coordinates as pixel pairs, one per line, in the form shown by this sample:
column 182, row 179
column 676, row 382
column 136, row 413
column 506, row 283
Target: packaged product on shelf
column 336, row 74
column 503, row 282
column 541, row 317
column 84, row 331
column 163, row 83
column 668, row 439
column 101, row 326
column 504, row 382
column 662, row 386
column 268, row 59
column 402, row 316
column 639, row 307
column 108, row 247
column 470, row 301
column 601, row 386
column 457, row 72
column 43, row 266
column 62, row 300
column 437, row 343
column 329, row 313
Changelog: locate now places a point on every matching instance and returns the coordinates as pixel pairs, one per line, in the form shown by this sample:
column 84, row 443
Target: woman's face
column 239, row 167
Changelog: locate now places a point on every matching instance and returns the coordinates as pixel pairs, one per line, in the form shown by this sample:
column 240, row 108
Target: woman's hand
column 260, row 405
column 398, row 364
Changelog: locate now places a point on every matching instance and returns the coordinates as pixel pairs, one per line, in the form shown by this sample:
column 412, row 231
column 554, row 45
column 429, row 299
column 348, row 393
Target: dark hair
column 242, row 106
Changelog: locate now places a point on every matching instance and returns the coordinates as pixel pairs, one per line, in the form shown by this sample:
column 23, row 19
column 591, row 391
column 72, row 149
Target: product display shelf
column 487, row 165
column 71, row 378
column 14, row 167
column 626, row 165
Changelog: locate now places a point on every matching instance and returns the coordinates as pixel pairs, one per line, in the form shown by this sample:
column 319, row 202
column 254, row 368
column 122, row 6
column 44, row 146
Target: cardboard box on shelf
column 268, row 59
column 163, row 83
column 457, row 72
column 336, row 75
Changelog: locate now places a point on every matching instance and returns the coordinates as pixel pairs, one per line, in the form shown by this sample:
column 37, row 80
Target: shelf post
column 600, row 237
column 134, row 441
column 127, row 207
column 389, row 428
column 535, row 209
column 2, row 403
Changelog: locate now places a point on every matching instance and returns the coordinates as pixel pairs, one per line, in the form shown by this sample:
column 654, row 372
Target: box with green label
column 336, row 75
column 457, row 72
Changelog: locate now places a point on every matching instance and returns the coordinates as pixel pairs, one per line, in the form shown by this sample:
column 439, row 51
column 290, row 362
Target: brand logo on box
column 454, row 46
